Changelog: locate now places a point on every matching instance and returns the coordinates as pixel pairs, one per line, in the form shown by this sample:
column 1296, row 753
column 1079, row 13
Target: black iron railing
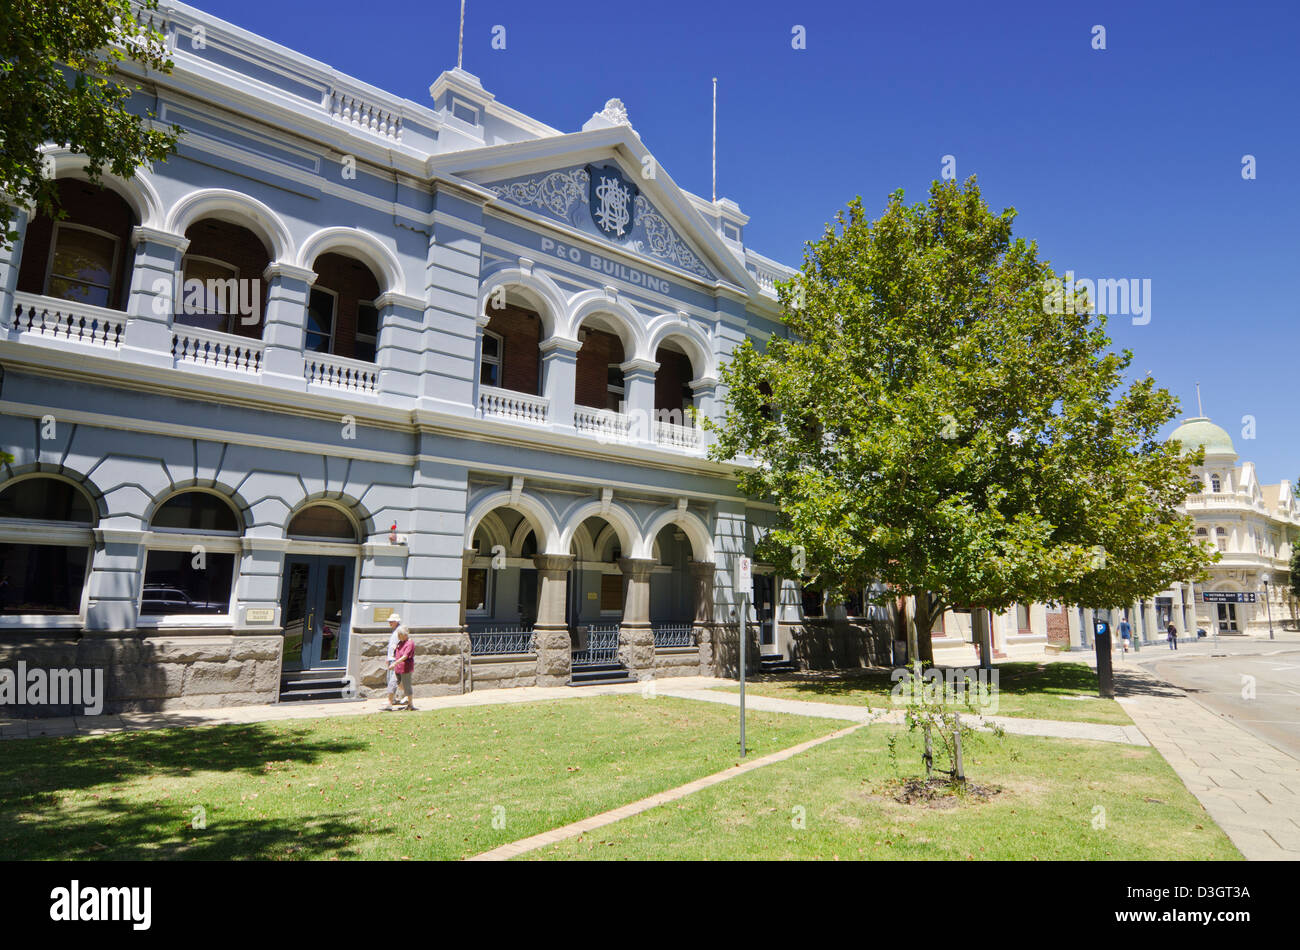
column 602, row 646
column 495, row 641
column 674, row 635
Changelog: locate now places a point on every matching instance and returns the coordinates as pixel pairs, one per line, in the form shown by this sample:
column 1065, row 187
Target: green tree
column 60, row 82
column 935, row 416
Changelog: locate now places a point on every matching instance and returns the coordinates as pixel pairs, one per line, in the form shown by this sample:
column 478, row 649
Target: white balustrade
column 605, row 424
column 338, row 372
column 514, row 406
column 67, row 320
column 675, row 436
column 351, row 109
column 212, row 348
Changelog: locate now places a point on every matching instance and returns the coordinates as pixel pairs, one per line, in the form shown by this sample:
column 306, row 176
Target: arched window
column 1215, row 484
column 190, row 565
column 1221, row 538
column 45, row 547
column 322, row 523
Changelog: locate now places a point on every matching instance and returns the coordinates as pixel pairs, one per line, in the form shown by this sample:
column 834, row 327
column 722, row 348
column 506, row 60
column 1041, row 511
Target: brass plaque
column 260, row 615
column 591, row 595
column 382, row 613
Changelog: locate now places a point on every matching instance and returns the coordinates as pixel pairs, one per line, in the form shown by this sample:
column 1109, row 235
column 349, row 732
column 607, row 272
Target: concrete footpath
column 1249, row 788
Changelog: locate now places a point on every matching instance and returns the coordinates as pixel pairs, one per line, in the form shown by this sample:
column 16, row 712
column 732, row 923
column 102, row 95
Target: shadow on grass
column 36, row 775
column 1016, row 679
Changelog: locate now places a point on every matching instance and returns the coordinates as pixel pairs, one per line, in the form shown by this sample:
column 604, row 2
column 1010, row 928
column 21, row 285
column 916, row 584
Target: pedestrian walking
column 404, row 666
column 1173, row 635
column 395, row 625
column 1125, row 634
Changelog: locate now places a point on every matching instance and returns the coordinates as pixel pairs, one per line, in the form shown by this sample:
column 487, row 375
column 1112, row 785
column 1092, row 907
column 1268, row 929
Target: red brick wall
column 521, row 361
column 94, row 207
column 353, row 282
column 598, row 351
column 1058, row 626
column 671, row 379
column 239, row 247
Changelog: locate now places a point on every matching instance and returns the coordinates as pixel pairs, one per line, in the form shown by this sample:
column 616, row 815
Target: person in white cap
column 394, row 624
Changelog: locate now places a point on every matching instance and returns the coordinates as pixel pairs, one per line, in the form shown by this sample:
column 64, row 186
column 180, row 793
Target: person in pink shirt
column 404, row 666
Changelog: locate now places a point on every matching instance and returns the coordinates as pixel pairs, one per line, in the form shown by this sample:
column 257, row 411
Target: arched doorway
column 316, row 588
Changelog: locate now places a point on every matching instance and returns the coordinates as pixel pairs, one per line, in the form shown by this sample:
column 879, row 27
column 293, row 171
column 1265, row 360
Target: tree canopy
column 933, row 419
column 60, row 83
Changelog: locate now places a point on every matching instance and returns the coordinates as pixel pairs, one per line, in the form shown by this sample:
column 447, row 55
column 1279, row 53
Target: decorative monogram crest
column 612, row 200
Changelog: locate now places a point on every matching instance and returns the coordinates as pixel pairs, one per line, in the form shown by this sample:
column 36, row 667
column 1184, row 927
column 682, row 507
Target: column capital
column 558, row 344
column 553, row 562
column 635, row 366
column 141, row 234
column 637, row 567
column 703, row 568
column 286, row 271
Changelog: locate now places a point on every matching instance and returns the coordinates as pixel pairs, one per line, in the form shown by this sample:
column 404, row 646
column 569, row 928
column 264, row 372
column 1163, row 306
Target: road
column 1223, row 676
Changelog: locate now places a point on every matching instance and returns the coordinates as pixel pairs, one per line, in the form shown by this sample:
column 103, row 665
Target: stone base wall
column 503, row 672
column 677, row 661
column 1058, row 627
column 150, row 673
column 722, row 656
column 441, row 663
column 839, row 645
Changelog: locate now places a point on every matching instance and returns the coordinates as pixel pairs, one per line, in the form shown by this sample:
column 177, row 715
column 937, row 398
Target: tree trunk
column 924, row 622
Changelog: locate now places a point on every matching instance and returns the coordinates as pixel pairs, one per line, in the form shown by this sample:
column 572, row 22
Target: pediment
column 557, row 178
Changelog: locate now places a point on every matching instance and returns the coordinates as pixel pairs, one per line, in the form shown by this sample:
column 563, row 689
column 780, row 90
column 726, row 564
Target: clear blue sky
column 1122, row 163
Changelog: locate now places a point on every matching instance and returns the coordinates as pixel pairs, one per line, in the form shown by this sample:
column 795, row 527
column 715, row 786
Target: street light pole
column 1268, row 604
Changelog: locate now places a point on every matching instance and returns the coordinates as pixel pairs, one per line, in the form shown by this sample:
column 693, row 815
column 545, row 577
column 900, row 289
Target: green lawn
column 396, row 785
column 1055, row 795
column 1025, row 690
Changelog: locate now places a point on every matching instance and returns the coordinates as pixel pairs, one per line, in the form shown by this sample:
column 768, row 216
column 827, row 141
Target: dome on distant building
column 1201, row 431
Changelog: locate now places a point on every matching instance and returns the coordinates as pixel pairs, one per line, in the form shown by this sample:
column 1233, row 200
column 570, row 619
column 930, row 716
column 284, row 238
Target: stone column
column 639, row 399
column 551, row 633
column 451, row 285
column 10, row 260
column 114, row 581
column 707, row 405
column 636, row 638
column 702, row 578
column 559, row 379
column 151, row 302
column 399, row 349
column 288, row 289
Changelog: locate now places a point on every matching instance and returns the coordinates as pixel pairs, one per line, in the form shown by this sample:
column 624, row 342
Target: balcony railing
column 677, row 437
column 605, row 424
column 674, row 635
column 68, row 320
column 338, row 372
column 513, row 406
column 212, row 348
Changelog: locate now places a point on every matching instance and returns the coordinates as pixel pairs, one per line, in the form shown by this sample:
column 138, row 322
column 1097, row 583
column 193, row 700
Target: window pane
column 812, row 602
column 489, row 374
column 195, row 511
column 364, row 350
column 316, row 343
column 320, row 314
column 41, row 578
column 611, row 592
column 476, row 589
column 367, row 320
column 322, row 521
column 173, row 586
column 44, row 499
column 82, row 268
column 491, row 346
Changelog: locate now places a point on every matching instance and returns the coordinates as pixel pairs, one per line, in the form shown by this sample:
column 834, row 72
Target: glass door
column 316, row 607
column 763, row 613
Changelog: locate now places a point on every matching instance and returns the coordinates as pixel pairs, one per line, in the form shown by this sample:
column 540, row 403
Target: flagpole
column 715, row 138
column 460, row 45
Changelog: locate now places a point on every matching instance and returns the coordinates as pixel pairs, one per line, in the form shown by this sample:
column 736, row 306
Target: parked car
column 160, row 599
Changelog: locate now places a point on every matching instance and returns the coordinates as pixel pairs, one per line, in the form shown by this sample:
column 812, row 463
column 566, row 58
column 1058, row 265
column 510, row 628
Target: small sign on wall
column 259, row 615
column 591, row 595
column 382, row 614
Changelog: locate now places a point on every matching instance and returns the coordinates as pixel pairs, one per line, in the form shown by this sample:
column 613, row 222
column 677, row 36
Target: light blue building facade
column 344, row 355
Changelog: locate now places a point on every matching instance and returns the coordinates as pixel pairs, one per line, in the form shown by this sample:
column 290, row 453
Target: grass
column 1025, row 691
column 1054, row 796
column 416, row 785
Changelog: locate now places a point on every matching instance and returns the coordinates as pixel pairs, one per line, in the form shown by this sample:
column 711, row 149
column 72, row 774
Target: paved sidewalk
column 555, row 835
column 1249, row 788
column 180, row 718
column 1052, row 728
